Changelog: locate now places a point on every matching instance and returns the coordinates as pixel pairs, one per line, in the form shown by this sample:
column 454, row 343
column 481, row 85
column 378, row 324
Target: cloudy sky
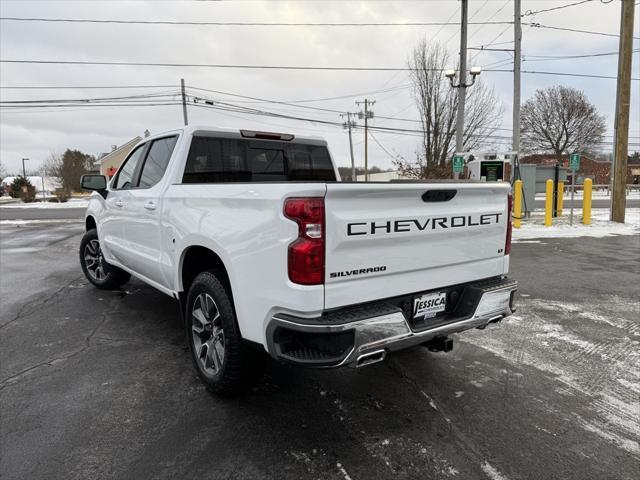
column 34, row 133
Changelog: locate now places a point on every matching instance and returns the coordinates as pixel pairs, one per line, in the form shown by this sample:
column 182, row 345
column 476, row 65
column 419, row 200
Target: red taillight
column 306, row 254
column 507, row 245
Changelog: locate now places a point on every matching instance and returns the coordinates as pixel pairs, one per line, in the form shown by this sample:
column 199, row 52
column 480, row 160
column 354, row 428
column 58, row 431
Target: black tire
column 95, row 268
column 224, row 362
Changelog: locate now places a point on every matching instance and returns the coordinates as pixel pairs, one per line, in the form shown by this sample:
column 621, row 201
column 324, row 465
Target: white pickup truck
column 268, row 251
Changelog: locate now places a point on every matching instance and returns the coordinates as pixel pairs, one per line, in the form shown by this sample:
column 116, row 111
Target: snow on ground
column 72, row 203
column 592, row 351
column 596, row 194
column 600, row 225
column 36, row 222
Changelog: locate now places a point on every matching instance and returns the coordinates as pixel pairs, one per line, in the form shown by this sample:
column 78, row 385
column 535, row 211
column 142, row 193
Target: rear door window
column 157, row 161
column 127, row 174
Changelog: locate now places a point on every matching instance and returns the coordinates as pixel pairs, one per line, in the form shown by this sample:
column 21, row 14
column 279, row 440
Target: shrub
column 22, row 188
column 62, row 195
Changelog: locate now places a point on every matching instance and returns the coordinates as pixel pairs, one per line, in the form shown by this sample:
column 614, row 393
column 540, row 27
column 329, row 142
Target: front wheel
column 95, row 268
column 224, row 362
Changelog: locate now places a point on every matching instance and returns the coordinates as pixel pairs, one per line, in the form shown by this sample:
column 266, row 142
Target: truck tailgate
column 386, row 240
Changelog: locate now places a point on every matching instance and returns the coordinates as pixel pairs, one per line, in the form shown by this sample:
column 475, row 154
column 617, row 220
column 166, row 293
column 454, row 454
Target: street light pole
column 462, row 78
column 24, row 171
column 517, row 62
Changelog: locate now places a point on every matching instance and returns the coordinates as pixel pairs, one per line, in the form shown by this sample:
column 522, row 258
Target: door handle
column 119, row 203
column 150, row 206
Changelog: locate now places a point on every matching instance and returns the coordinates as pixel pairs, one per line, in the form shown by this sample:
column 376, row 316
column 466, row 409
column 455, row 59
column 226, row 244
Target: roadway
column 99, row 384
column 26, row 213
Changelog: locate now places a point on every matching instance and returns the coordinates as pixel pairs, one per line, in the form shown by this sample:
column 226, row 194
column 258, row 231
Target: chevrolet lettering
column 414, row 224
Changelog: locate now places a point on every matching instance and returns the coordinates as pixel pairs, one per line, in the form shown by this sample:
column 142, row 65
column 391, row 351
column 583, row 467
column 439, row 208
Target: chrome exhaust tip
column 370, row 358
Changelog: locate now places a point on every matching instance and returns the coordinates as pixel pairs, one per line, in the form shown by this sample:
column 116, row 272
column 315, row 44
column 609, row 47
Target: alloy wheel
column 207, row 334
column 94, row 260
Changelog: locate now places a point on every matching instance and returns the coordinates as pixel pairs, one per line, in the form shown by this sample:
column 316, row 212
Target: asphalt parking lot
column 98, row 384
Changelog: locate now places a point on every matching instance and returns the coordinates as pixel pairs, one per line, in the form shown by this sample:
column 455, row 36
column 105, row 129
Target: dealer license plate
column 429, row 305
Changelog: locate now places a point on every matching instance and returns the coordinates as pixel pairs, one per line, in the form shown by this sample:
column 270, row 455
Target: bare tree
column 53, row 165
column 560, row 120
column 69, row 167
column 437, row 103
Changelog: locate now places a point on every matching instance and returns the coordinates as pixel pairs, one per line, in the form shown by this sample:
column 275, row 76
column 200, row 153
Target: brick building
column 599, row 171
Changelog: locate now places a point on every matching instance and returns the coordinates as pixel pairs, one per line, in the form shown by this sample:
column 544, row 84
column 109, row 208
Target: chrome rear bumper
column 366, row 335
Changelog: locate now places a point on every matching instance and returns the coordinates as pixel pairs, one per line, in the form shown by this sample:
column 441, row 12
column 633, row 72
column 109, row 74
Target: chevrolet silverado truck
column 268, row 252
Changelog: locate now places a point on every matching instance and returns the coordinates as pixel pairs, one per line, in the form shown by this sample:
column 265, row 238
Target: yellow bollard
column 548, row 204
column 560, row 198
column 586, row 201
column 517, row 203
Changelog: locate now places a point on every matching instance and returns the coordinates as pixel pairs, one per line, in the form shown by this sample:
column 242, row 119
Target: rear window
column 215, row 160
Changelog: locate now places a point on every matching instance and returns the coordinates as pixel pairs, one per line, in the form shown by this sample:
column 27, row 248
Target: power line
column 578, row 75
column 434, row 36
column 393, row 157
column 207, row 65
column 543, row 58
column 490, row 18
column 241, row 24
column 273, row 67
column 290, row 102
column 91, row 100
column 564, row 29
column 80, row 87
column 35, row 108
column 529, row 13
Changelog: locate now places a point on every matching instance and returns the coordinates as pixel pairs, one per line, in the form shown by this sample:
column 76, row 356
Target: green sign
column 574, row 162
column 458, row 163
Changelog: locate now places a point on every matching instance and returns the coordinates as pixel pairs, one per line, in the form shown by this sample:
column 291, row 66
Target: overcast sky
column 35, row 133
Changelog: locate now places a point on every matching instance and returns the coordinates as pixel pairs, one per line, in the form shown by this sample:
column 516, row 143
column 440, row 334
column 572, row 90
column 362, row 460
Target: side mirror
column 93, row 182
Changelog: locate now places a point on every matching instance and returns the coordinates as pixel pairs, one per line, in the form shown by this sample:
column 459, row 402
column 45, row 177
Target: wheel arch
column 197, row 259
column 90, row 223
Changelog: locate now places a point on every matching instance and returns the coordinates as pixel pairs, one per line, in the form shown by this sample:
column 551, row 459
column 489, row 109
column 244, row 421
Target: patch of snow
column 491, row 472
column 432, row 404
column 72, row 203
column 28, row 222
column 630, row 446
column 459, row 394
column 600, row 225
column 343, row 471
column 630, row 385
column 52, row 220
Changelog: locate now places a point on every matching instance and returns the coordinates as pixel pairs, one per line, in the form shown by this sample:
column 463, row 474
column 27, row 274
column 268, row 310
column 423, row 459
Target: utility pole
column 517, row 59
column 184, row 102
column 348, row 125
column 24, row 171
column 367, row 114
column 623, row 96
column 462, row 77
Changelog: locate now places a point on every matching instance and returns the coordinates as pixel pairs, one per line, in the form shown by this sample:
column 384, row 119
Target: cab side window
column 126, row 178
column 157, row 161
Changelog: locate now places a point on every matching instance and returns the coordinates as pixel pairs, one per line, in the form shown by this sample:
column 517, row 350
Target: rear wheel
column 95, row 267
column 224, row 362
